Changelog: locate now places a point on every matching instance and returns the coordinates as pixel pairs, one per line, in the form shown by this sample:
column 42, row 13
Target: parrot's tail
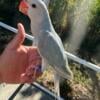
column 65, row 72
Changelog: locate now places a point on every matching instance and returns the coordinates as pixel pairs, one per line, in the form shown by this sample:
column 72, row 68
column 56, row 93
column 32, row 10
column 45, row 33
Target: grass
column 79, row 89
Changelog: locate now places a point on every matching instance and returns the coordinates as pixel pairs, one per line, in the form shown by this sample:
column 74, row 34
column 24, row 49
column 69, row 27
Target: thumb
column 19, row 38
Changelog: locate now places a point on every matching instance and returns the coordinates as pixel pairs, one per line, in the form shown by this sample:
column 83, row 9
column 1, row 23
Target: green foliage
column 79, row 77
column 8, row 4
column 58, row 12
column 91, row 42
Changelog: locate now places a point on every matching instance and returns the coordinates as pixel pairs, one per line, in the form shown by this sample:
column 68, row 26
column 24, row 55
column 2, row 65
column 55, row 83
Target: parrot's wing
column 51, row 49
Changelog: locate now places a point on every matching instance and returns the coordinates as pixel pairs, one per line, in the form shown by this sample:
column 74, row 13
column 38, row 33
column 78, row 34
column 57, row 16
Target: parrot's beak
column 23, row 7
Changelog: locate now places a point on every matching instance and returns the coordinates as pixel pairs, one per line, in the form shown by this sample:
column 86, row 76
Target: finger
column 29, row 79
column 31, row 74
column 19, row 38
column 38, row 73
column 34, row 57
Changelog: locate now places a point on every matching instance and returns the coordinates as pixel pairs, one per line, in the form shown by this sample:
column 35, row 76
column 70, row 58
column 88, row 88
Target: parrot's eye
column 33, row 5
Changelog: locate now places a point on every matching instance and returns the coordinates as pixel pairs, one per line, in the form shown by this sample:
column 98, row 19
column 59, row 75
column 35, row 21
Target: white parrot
column 47, row 2
column 48, row 42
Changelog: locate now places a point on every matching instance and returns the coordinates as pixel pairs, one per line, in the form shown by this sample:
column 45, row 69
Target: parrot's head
column 36, row 10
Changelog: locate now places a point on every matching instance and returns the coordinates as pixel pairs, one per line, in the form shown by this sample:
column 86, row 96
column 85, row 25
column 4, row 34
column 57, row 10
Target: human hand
column 17, row 60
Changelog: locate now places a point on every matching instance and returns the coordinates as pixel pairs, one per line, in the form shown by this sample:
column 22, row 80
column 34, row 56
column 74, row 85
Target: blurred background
column 78, row 24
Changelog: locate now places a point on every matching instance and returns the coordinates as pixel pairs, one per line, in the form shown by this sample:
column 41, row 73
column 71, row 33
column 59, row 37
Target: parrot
column 47, row 40
column 46, row 2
